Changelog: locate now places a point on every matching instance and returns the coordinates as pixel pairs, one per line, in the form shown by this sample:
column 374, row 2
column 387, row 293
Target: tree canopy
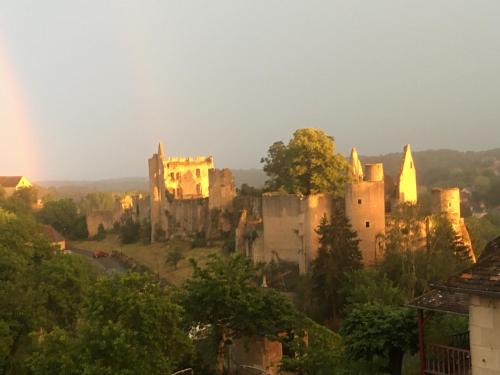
column 307, row 165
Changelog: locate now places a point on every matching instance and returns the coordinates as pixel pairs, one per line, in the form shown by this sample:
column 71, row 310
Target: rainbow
column 18, row 154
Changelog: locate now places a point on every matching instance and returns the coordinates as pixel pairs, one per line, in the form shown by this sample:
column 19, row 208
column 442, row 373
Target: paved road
column 108, row 264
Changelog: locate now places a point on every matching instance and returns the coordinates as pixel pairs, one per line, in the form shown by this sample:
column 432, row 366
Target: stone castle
column 284, row 227
column 188, row 196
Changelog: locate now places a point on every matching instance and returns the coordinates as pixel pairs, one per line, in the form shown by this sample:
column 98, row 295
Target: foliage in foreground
column 128, row 326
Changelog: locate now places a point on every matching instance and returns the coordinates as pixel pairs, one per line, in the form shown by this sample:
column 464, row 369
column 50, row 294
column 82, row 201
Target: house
column 10, row 184
column 55, row 238
column 475, row 293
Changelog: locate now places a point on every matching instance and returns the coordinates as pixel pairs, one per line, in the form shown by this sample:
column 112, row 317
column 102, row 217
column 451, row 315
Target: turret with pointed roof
column 407, row 183
column 161, row 153
column 356, row 168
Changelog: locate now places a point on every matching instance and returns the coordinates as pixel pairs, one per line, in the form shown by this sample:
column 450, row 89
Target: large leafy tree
column 64, row 216
column 412, row 261
column 338, row 256
column 380, row 335
column 405, row 250
column 129, row 326
column 307, row 165
column 39, row 290
column 224, row 295
column 21, row 201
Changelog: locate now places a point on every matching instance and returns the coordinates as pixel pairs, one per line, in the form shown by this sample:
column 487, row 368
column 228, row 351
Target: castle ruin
column 285, row 228
column 184, row 194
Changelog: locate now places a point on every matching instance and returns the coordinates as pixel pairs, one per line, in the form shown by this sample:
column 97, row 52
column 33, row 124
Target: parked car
column 99, row 254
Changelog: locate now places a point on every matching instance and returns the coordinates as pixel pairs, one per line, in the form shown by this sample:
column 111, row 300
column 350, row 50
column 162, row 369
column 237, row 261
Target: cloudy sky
column 88, row 88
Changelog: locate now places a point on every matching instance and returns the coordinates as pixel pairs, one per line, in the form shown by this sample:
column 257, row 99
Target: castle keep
column 184, row 193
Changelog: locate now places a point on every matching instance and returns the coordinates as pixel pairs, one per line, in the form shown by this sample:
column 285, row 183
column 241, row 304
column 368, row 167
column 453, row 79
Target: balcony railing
column 447, row 360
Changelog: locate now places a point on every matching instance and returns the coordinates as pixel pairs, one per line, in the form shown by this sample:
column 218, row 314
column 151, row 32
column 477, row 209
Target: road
column 108, row 264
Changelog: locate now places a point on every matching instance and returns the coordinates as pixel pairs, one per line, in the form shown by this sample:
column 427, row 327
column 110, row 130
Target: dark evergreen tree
column 338, row 256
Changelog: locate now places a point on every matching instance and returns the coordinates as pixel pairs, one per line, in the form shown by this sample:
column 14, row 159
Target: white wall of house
column 484, row 327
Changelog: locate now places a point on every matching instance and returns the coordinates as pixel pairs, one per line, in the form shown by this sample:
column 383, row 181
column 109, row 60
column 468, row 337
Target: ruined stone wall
column 484, row 328
column 317, row 207
column 365, row 208
column 289, row 223
column 186, row 217
column 222, row 189
column 255, row 351
column 106, row 218
column 136, row 205
column 188, row 178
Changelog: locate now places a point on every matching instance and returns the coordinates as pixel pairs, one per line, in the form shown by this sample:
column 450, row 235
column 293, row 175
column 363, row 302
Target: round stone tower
column 374, row 172
column 447, row 202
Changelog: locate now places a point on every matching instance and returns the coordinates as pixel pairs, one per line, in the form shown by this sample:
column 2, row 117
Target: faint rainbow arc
column 18, row 153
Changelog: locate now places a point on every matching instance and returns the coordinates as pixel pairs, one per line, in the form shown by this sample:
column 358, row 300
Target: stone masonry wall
column 484, row 327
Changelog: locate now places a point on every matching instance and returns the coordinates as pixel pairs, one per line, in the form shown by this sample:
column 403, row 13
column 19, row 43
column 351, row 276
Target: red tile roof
column 10, row 181
column 52, row 234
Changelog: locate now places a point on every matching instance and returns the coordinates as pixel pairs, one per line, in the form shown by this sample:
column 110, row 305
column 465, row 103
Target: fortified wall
column 286, row 230
column 135, row 205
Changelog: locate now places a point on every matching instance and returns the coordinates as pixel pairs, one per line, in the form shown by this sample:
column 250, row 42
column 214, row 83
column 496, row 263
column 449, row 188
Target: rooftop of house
column 52, row 234
column 483, row 278
column 442, row 301
column 10, row 181
column 452, row 296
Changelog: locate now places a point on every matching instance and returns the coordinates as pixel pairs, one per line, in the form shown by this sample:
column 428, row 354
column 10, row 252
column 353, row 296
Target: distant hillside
column 435, row 168
column 252, row 177
column 76, row 189
column 443, row 167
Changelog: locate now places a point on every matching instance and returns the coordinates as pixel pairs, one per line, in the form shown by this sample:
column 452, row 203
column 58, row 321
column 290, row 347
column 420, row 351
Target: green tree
column 380, row 335
column 39, row 289
column 338, row 256
column 224, row 295
column 129, row 326
column 63, row 215
column 307, row 165
column 98, row 201
column 405, row 250
column 101, row 233
column 320, row 354
column 130, row 230
column 21, row 201
column 174, row 257
column 371, row 286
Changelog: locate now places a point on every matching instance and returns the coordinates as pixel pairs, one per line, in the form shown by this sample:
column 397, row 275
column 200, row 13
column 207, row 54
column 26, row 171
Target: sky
column 89, row 88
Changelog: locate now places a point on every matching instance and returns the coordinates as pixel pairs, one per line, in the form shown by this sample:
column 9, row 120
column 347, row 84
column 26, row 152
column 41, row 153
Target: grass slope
column 154, row 256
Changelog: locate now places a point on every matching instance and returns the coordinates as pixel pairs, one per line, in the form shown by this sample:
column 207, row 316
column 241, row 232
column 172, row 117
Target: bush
column 101, row 233
column 199, row 240
column 130, row 231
